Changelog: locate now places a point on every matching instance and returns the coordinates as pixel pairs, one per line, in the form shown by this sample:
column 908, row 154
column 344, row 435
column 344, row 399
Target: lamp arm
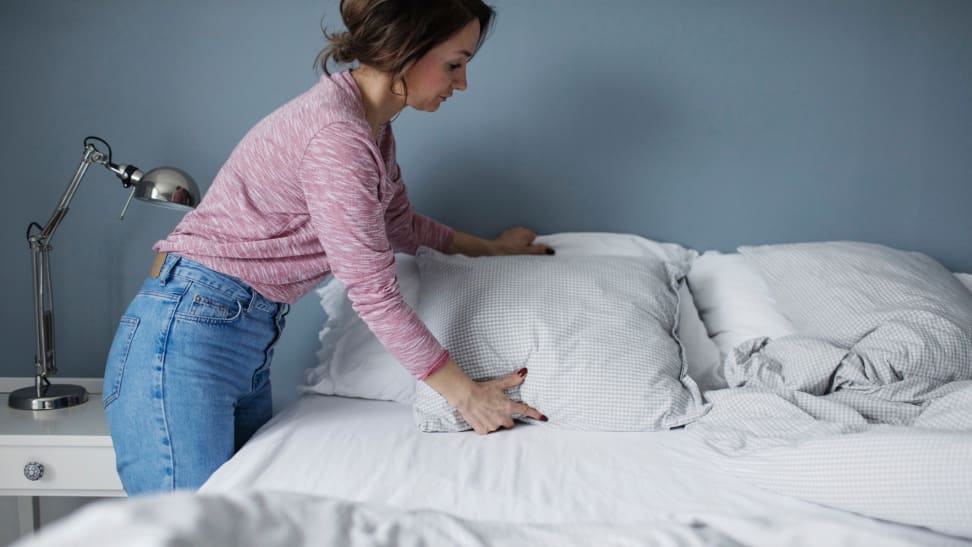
column 40, row 248
column 44, row 363
column 91, row 155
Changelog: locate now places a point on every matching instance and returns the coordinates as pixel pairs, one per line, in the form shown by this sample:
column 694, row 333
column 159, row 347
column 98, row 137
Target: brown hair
column 391, row 35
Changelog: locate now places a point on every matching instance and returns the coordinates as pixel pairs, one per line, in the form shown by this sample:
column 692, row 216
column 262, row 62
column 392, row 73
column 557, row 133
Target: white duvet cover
column 288, row 519
column 370, row 451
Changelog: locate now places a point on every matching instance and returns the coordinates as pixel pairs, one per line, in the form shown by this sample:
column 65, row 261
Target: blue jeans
column 187, row 380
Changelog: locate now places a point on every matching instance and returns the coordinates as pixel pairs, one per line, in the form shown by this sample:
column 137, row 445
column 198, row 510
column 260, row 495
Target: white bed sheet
column 370, row 451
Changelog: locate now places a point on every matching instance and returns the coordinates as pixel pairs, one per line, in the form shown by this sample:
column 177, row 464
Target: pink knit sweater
column 309, row 192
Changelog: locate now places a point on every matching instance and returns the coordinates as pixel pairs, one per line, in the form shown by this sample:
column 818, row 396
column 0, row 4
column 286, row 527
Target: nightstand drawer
column 65, row 468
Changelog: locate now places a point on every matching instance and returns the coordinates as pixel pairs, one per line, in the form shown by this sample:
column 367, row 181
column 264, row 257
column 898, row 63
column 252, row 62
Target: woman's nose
column 460, row 81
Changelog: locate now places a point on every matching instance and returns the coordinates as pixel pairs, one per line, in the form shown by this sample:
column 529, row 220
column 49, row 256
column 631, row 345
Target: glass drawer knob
column 33, row 471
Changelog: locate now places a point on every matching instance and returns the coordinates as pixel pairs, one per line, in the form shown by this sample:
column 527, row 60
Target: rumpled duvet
column 882, row 428
column 268, row 519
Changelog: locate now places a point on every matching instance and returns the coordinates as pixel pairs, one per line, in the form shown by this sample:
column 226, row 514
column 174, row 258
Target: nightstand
column 65, row 452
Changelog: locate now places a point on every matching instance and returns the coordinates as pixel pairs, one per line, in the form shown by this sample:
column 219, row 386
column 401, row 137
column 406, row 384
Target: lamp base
column 49, row 397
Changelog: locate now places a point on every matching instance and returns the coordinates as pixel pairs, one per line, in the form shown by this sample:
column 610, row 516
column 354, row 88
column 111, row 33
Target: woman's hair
column 391, row 35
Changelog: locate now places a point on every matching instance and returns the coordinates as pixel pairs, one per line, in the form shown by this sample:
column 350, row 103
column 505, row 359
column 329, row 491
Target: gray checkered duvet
column 876, row 428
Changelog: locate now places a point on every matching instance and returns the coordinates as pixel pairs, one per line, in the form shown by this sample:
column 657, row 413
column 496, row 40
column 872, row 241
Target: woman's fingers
column 520, row 240
column 518, row 234
column 527, row 410
column 539, row 249
column 485, row 405
column 512, row 380
column 491, row 408
column 504, row 423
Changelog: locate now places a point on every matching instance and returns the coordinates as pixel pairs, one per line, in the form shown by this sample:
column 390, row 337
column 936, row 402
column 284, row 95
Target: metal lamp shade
column 168, row 187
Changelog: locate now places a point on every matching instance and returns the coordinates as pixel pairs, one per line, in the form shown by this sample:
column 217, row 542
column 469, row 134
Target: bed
column 820, row 395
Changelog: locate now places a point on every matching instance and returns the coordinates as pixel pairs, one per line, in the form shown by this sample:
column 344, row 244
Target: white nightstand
column 71, row 444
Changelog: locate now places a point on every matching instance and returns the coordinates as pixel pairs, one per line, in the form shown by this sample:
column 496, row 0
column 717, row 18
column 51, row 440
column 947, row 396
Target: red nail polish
column 522, row 372
column 543, row 418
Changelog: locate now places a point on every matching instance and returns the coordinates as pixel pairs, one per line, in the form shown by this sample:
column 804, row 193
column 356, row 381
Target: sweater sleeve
column 340, row 175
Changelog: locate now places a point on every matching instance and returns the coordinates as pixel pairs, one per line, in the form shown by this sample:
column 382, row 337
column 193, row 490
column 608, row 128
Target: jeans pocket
column 118, row 358
column 207, row 305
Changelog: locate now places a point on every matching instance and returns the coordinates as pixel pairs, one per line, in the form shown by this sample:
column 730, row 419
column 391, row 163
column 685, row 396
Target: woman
column 312, row 189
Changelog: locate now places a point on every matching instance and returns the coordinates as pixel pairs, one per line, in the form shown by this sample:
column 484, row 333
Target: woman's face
column 433, row 78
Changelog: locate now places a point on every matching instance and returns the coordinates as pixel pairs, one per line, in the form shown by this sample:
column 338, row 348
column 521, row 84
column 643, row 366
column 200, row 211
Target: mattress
column 370, row 451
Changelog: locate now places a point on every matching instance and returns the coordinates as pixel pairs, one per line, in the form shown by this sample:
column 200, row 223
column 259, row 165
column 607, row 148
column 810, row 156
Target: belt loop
column 259, row 302
column 167, row 266
column 254, row 299
column 282, row 310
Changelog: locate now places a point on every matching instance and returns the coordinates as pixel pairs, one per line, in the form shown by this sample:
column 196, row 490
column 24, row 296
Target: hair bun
column 389, row 35
column 343, row 47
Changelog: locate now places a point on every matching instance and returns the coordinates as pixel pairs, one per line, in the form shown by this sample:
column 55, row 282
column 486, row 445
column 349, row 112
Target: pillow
column 841, row 290
column 903, row 306
column 734, row 302
column 596, row 333
column 611, row 244
column 702, row 357
column 353, row 363
column 701, row 354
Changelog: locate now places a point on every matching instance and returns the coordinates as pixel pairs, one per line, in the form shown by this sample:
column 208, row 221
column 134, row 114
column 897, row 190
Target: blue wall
column 708, row 123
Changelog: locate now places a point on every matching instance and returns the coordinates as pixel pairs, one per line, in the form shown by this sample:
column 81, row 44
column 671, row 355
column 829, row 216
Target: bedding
column 842, row 290
column 294, row 520
column 885, row 333
column 810, row 440
column 597, row 336
column 897, row 451
column 369, row 451
column 701, row 354
column 353, row 363
column 734, row 302
column 901, row 446
column 876, row 382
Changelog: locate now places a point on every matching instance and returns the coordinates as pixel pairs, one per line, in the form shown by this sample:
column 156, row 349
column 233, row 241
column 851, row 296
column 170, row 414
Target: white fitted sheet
column 370, row 451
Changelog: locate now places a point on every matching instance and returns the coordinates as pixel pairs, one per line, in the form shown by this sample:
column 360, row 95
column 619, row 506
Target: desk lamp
column 165, row 186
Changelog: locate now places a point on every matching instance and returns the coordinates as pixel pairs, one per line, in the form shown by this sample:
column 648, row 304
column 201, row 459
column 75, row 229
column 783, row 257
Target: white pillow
column 734, row 302
column 597, row 335
column 701, row 353
column 611, row 244
column 353, row 363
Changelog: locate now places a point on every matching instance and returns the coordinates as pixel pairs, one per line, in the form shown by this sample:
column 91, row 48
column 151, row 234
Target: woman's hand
column 484, row 405
column 514, row 241
column 519, row 241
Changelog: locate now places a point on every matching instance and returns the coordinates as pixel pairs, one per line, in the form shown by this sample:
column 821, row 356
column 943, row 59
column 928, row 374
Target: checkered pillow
column 596, row 333
column 902, row 306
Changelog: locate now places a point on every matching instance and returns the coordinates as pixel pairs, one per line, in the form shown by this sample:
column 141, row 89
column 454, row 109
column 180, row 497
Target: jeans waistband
column 175, row 265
